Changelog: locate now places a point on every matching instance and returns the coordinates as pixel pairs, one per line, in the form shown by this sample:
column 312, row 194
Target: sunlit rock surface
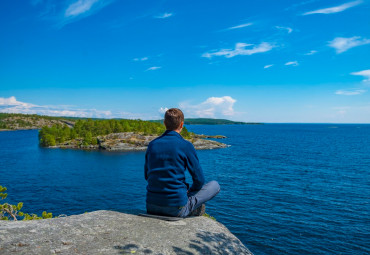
column 131, row 141
column 109, row 232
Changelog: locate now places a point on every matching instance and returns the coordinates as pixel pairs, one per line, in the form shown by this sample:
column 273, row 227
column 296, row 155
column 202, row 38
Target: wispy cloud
column 311, row 52
column 12, row 101
column 350, row 92
column 240, row 26
column 164, row 15
column 162, row 110
column 292, row 63
column 267, row 66
column 342, row 44
column 240, row 49
column 12, row 105
column 335, row 9
column 300, row 4
column 364, row 73
column 141, row 59
column 213, row 107
column 76, row 10
column 79, row 7
column 288, row 29
column 153, row 68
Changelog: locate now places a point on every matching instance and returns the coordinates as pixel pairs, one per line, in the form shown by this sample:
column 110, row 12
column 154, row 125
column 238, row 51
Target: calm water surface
column 285, row 188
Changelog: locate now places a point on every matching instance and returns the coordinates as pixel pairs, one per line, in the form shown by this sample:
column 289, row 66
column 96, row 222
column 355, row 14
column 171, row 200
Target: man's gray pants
column 195, row 200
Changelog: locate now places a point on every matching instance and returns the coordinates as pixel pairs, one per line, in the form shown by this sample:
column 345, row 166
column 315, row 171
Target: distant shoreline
column 363, row 124
column 209, row 121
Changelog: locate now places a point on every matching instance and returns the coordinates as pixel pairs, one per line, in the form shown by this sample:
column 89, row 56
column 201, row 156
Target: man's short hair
column 173, row 118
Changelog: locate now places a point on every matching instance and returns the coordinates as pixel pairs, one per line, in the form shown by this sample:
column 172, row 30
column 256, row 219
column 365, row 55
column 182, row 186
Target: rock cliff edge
column 109, row 232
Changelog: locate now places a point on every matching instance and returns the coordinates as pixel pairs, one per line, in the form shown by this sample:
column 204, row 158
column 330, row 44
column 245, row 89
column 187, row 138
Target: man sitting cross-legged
column 166, row 161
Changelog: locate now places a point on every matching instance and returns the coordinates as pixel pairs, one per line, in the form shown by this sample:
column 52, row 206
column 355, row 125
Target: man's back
column 166, row 161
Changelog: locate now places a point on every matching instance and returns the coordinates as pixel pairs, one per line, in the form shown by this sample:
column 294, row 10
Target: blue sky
column 265, row 61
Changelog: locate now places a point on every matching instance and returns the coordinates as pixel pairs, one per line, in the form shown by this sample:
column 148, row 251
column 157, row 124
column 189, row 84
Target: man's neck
column 177, row 130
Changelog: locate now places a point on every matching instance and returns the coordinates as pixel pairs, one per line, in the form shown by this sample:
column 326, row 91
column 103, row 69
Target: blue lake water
column 285, row 188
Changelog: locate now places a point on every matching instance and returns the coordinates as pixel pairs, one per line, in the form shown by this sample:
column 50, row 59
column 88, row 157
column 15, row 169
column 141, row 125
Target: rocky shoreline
column 130, row 141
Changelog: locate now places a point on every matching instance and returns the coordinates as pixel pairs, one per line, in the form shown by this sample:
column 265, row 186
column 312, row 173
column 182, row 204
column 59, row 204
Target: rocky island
column 115, row 135
column 131, row 141
column 99, row 134
column 109, row 232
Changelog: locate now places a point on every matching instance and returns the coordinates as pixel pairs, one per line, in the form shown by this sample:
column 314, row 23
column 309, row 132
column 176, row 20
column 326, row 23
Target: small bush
column 13, row 212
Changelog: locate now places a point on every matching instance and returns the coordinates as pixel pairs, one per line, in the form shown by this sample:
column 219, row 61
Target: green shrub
column 209, row 216
column 47, row 140
column 13, row 212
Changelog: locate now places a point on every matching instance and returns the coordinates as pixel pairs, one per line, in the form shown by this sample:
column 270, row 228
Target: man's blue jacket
column 166, row 161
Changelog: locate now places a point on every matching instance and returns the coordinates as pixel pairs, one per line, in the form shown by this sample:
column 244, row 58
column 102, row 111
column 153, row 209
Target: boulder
column 109, row 232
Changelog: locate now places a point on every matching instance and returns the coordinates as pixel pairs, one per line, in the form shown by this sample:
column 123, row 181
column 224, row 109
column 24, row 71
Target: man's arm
column 195, row 169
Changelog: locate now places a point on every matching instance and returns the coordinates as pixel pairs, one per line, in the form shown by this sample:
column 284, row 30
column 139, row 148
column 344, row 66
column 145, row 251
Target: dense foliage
column 8, row 211
column 88, row 130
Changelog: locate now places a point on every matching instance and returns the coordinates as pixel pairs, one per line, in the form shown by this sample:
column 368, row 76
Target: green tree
column 185, row 133
column 8, row 211
column 94, row 141
column 88, row 138
column 73, row 134
column 47, row 140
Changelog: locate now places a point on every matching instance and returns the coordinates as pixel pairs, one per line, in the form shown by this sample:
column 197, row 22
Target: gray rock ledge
column 109, row 232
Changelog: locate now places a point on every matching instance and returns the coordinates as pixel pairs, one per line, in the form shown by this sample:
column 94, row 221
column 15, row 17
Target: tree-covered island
column 105, row 134
column 114, row 135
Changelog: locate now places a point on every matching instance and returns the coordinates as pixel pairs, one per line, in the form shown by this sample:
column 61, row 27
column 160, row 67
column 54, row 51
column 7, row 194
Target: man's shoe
column 199, row 211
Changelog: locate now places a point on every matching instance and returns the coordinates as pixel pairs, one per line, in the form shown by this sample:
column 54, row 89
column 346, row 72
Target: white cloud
column 75, row 11
column 288, row 29
column 335, row 9
column 350, row 92
column 162, row 110
column 267, row 66
column 164, row 15
column 341, row 44
column 292, row 63
column 240, row 49
column 342, row 110
column 79, row 7
column 364, row 73
column 141, row 59
column 240, row 26
column 311, row 52
column 12, row 101
column 153, row 68
column 213, row 107
column 294, row 6
column 11, row 105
